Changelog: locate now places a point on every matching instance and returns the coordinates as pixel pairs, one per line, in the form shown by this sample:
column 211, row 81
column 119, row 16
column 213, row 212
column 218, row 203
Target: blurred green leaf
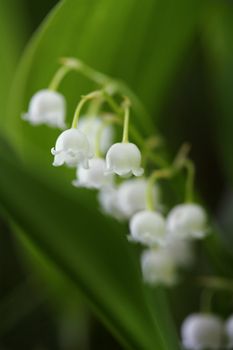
column 218, row 48
column 100, row 262
column 142, row 43
column 12, row 36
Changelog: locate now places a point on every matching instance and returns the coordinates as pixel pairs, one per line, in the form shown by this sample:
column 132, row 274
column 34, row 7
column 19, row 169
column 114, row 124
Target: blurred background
column 190, row 97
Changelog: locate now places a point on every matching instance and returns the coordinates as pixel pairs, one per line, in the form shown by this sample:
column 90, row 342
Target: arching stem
column 155, row 176
column 84, row 99
column 125, row 136
column 58, row 77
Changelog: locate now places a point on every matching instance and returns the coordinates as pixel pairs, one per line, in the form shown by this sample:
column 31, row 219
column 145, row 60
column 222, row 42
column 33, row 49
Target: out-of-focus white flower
column 108, row 199
column 229, row 332
column 180, row 251
column 148, row 227
column 91, row 126
column 158, row 267
column 47, row 107
column 187, row 221
column 94, row 177
column 202, row 331
column 72, row 148
column 124, row 159
column 132, row 196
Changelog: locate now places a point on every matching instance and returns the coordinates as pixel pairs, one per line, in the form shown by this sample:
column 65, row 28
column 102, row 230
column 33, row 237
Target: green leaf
column 99, row 262
column 143, row 44
column 218, row 48
column 12, row 35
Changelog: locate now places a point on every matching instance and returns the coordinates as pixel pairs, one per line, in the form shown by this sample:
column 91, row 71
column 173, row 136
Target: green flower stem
column 58, row 77
column 110, row 84
column 216, row 283
column 206, row 300
column 95, row 107
column 100, row 131
column 189, row 186
column 86, row 70
column 181, row 156
column 155, row 176
column 168, row 172
column 84, row 99
column 114, row 86
column 182, row 161
column 125, row 136
column 112, row 104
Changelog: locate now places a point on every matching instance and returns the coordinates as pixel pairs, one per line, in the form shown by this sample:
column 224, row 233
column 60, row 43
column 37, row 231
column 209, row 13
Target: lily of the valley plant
column 126, row 174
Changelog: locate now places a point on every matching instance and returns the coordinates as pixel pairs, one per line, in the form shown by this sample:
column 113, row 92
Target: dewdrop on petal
column 229, row 332
column 93, row 177
column 148, row 227
column 108, row 200
column 124, row 159
column 72, row 148
column 187, row 221
column 47, row 107
column 202, row 331
column 91, row 126
column 158, row 268
column 132, row 196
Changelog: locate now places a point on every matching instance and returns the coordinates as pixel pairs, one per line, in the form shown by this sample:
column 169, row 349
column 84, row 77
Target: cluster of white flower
column 207, row 331
column 101, row 164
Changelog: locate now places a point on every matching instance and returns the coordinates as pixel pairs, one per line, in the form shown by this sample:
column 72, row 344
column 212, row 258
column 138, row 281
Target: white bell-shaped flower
column 158, row 268
column 124, row 159
column 132, row 196
column 229, row 332
column 72, row 148
column 91, row 126
column 108, row 200
column 94, row 177
column 148, row 227
column 202, row 331
column 187, row 221
column 47, row 107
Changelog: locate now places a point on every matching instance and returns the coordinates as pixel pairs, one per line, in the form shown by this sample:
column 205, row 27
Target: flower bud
column 132, row 196
column 148, row 227
column 124, row 159
column 72, row 148
column 187, row 221
column 94, row 177
column 47, row 107
column 158, row 268
column 202, row 331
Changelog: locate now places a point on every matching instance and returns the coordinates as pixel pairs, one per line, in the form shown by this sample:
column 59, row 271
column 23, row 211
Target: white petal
column 124, row 159
column 158, row 268
column 74, row 147
column 132, row 196
column 202, row 331
column 148, row 227
column 229, row 332
column 186, row 221
column 47, row 107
